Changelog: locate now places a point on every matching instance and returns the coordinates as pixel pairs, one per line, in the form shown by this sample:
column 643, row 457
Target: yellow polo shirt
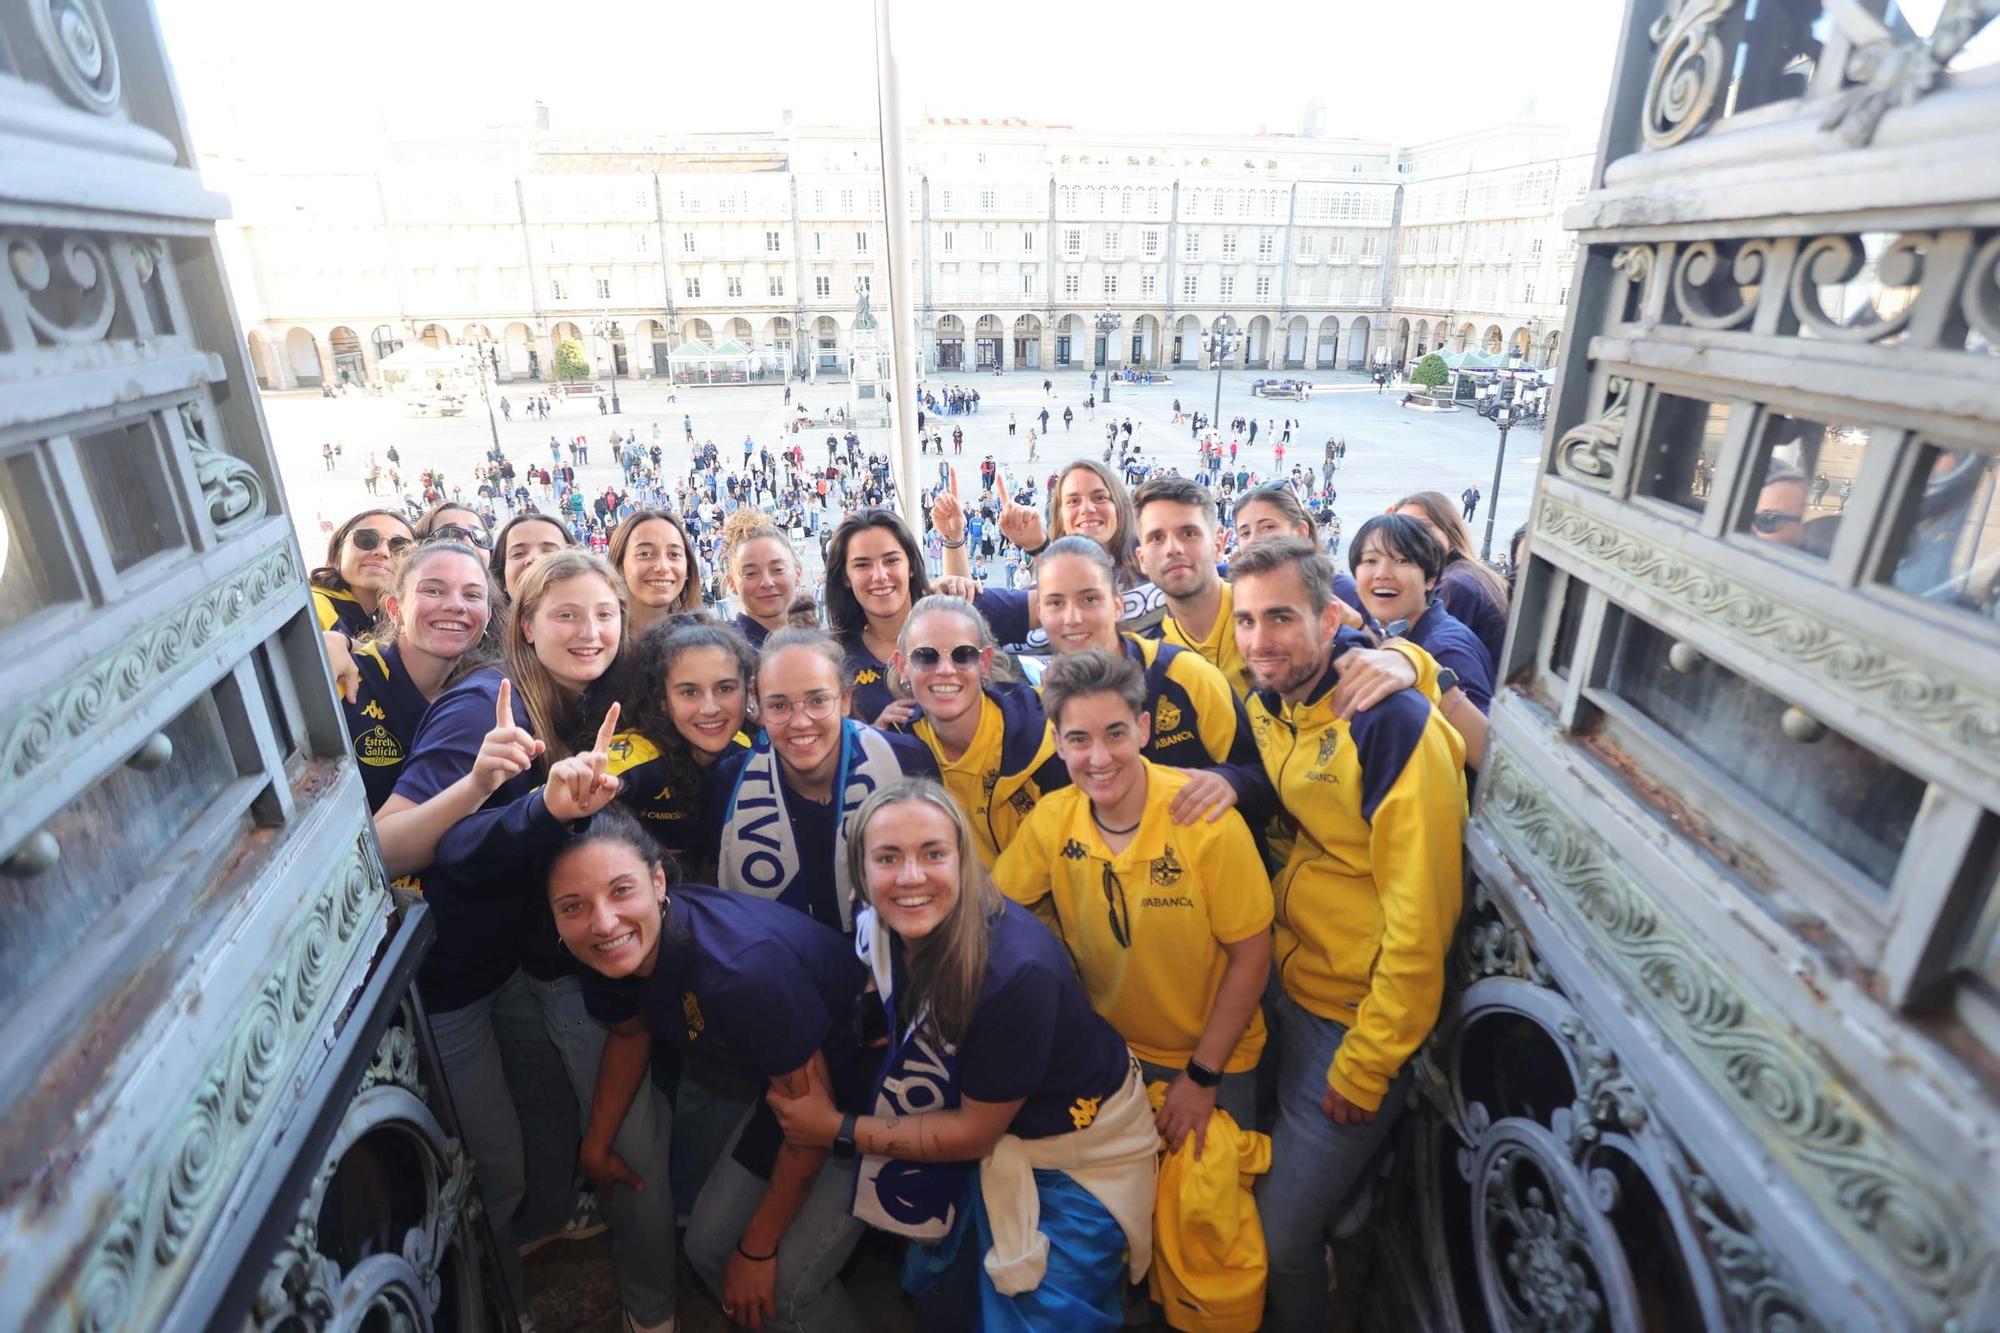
column 971, row 777
column 1219, row 648
column 1146, row 926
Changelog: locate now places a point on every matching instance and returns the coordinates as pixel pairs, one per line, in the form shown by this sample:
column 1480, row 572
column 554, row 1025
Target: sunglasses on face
column 927, row 658
column 448, row 531
column 367, row 539
column 1770, row 520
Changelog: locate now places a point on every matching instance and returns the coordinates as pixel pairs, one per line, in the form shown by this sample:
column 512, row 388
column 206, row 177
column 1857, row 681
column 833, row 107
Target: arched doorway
column 350, row 365
column 1327, row 355
column 1402, row 350
column 1551, row 347
column 302, row 358
column 476, row 333
column 1028, row 342
column 1257, row 344
column 1297, row 334
column 517, row 356
column 434, row 336
column 1492, row 342
column 1423, row 338
column 262, row 364
column 986, row 341
column 1069, row 338
column 1146, row 342
column 698, row 330
column 1187, row 341
column 1357, row 343
column 784, row 354
column 1522, row 344
column 563, row 332
column 1464, row 339
column 649, row 348
column 826, row 336
column 950, row 343
column 384, row 340
column 739, row 329
column 1223, row 324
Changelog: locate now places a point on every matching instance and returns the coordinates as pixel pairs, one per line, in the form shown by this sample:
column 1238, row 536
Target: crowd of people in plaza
column 1055, row 889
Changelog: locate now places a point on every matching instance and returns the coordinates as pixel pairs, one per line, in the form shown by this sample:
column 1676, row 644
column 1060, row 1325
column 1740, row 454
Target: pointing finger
column 608, row 730
column 503, row 704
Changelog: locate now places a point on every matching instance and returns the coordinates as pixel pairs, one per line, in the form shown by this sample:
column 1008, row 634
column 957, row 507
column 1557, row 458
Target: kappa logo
column 1084, row 1110
column 620, row 749
column 664, row 794
column 374, row 710
column 1166, row 870
column 1166, row 717
column 691, row 1011
column 1073, row 850
column 867, row 676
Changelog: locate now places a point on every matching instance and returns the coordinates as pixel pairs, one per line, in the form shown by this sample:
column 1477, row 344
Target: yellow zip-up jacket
column 1370, row 893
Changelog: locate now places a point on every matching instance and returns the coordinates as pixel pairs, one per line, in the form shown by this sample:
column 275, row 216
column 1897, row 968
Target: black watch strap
column 1201, row 1075
column 843, row 1142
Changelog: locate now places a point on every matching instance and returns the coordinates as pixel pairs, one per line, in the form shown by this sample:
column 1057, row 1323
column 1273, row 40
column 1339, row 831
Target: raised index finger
column 608, row 730
column 503, row 704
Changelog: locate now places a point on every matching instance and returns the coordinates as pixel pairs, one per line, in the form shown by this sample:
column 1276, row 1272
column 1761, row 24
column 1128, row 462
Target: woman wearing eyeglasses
column 347, row 590
column 1170, row 924
column 775, row 821
column 992, row 745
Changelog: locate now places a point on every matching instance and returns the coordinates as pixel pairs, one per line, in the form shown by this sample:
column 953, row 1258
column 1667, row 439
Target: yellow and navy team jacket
column 335, row 609
column 1219, row 648
column 1010, row 765
column 664, row 793
column 1370, row 893
column 382, row 720
column 1199, row 723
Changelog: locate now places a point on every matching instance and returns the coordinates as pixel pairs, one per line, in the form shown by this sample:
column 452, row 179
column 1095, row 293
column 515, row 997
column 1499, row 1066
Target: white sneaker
column 584, row 1222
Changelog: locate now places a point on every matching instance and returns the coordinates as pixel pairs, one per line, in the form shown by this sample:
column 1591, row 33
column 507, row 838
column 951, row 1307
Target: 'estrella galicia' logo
column 1073, row 850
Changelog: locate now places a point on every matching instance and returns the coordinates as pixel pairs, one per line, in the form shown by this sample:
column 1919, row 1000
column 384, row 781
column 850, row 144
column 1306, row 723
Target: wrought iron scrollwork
column 1588, row 453
column 1687, row 71
column 232, row 488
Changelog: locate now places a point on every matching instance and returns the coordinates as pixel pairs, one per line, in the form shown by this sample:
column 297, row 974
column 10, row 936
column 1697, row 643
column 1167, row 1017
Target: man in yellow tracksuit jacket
column 1366, row 904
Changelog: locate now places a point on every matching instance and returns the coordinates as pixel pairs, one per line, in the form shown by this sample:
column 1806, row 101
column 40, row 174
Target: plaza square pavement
column 1391, row 450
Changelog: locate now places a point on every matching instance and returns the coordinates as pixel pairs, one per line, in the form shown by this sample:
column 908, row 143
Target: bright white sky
column 281, row 78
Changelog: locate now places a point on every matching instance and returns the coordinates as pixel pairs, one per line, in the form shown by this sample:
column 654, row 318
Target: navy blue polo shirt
column 1441, row 634
column 382, row 721
column 1472, row 603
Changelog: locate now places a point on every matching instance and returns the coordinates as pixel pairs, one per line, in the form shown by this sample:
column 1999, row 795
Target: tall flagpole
column 903, row 449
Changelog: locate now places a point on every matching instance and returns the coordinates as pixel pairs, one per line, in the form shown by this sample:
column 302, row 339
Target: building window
column 950, row 240
column 1110, row 285
column 1111, row 243
column 734, row 288
column 1027, row 284
column 776, row 286
column 1528, row 291
column 1305, row 245
column 604, row 289
column 642, row 243
column 1266, row 245
column 1191, row 245
column 1190, row 286
column 1367, row 245
column 1338, row 245
column 986, row 241
column 772, row 242
column 847, row 201
column 1535, row 247
column 687, row 242
column 1072, row 285
column 1562, row 295
column 1073, row 241
column 863, row 286
column 988, row 201
column 693, row 288
column 819, row 242
column 1150, row 243
column 558, row 290
column 822, row 287
column 1228, row 286
column 1148, row 284
column 1027, row 242
column 1228, row 245
column 860, row 242
column 1263, row 287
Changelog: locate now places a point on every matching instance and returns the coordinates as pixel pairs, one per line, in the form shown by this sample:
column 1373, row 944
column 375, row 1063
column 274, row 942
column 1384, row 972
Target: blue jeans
column 1236, row 1094
column 470, row 1043
column 808, row 1294
column 1315, row 1165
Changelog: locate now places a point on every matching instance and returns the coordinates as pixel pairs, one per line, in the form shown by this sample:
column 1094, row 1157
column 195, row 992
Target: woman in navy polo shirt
column 987, row 1022
column 743, row 983
column 497, row 975
column 775, row 822
column 763, row 572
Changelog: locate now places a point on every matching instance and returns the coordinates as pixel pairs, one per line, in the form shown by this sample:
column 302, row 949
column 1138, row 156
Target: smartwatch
column 1447, row 681
column 843, row 1142
column 1201, row 1075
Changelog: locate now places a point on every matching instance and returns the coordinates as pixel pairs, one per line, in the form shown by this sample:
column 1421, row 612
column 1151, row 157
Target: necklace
column 1115, row 832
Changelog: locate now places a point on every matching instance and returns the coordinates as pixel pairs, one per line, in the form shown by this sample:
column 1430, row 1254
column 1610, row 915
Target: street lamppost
column 608, row 330
column 1503, row 417
column 1220, row 345
column 482, row 351
column 1108, row 323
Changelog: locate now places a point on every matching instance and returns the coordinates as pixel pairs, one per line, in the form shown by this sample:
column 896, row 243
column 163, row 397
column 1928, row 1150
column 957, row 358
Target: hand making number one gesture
column 507, row 750
column 580, row 786
column 1018, row 523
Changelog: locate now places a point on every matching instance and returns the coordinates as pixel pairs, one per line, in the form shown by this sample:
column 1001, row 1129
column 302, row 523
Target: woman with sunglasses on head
column 874, row 575
column 776, row 818
column 521, row 541
column 498, row 974
column 1469, row 590
column 652, row 552
column 1397, row 561
column 993, row 748
column 747, row 987
column 347, row 589
column 1009, row 1124
column 454, row 520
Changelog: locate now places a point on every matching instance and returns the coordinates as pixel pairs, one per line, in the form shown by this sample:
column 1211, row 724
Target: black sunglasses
column 446, row 531
column 367, row 539
column 927, row 658
column 1120, row 911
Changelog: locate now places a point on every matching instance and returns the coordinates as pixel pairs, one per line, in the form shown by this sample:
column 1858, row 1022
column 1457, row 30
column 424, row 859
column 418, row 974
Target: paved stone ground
column 1391, row 451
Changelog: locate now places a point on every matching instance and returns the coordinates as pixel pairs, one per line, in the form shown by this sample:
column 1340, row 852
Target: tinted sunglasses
column 927, row 658
column 367, row 539
column 1770, row 520
column 447, row 531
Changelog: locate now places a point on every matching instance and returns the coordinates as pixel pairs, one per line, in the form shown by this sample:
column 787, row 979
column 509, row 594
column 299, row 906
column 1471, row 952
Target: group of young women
column 754, row 856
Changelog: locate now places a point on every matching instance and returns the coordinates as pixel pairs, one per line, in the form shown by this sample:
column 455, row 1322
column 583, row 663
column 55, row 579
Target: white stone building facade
column 1319, row 253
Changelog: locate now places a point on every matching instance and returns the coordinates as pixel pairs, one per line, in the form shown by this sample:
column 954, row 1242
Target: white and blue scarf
column 760, row 855
column 915, row 1199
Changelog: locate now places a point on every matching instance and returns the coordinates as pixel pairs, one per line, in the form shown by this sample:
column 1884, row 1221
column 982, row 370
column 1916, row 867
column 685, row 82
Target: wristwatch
column 1201, row 1075
column 843, row 1142
column 1447, row 681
